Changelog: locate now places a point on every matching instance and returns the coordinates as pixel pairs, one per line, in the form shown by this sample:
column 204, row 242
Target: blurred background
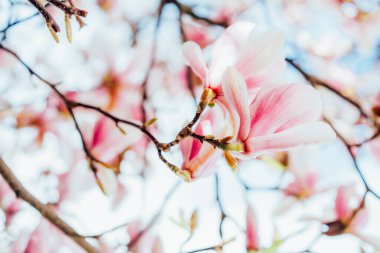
column 122, row 49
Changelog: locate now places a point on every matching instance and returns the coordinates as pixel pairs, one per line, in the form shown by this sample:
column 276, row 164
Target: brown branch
column 68, row 9
column 190, row 83
column 45, row 210
column 314, row 81
column 189, row 11
column 354, row 161
column 206, row 97
column 152, row 61
column 48, row 18
column 10, row 25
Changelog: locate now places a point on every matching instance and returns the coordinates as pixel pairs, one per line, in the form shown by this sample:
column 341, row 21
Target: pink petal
column 100, row 131
column 260, row 54
column 225, row 49
column 252, row 233
column 107, row 180
column 200, row 159
column 342, row 202
column 108, row 141
column 308, row 133
column 282, row 107
column 194, row 58
column 360, row 220
column 206, row 164
column 190, row 148
column 236, row 94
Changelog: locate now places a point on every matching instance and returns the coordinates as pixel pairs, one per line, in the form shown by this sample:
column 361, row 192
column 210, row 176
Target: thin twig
column 314, row 81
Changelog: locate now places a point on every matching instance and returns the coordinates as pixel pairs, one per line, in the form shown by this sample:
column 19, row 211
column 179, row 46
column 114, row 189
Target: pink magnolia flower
column 306, row 177
column 252, row 236
column 199, row 159
column 43, row 121
column 303, row 186
column 146, row 242
column 279, row 118
column 228, row 10
column 350, row 218
column 197, row 33
column 108, row 144
column 46, row 238
column 258, row 57
column 8, row 202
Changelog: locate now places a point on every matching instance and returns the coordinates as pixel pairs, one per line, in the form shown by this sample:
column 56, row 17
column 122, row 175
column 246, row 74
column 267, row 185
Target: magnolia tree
column 189, row 126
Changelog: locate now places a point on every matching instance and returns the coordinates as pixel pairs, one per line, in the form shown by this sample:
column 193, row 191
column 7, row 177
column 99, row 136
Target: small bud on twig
column 237, row 147
column 193, row 223
column 151, row 122
column 53, row 33
column 68, row 28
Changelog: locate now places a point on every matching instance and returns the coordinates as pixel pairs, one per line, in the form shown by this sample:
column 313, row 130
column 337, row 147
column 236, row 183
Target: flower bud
column 207, row 96
column 53, row 33
column 68, row 28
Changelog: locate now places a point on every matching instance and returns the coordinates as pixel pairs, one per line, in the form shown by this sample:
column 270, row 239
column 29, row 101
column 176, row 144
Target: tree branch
column 44, row 210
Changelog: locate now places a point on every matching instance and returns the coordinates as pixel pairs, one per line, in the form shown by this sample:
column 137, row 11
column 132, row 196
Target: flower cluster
column 263, row 114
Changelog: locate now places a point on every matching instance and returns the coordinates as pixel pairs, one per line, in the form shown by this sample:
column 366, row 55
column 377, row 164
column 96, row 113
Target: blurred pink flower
column 46, row 238
column 350, row 215
column 197, row 33
column 200, row 159
column 279, row 118
column 108, row 144
column 143, row 241
column 258, row 57
column 303, row 186
column 251, row 232
column 43, row 121
column 8, row 202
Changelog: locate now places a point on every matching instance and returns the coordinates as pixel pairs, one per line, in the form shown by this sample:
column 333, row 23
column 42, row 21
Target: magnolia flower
column 303, row 186
column 349, row 219
column 302, row 165
column 258, row 57
column 147, row 242
column 199, row 159
column 197, row 33
column 46, row 238
column 9, row 204
column 252, row 236
column 108, row 144
column 43, row 121
column 279, row 118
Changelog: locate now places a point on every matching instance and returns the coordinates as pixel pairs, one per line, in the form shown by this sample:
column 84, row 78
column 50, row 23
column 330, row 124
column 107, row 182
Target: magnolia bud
column 68, row 28
column 207, row 96
column 53, row 33
column 193, row 221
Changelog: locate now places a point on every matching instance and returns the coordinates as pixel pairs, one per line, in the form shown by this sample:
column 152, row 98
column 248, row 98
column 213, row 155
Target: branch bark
column 45, row 211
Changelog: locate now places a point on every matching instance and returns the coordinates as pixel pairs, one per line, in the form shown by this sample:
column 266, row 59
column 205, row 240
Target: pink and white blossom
column 257, row 56
column 200, row 159
column 279, row 118
column 252, row 236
